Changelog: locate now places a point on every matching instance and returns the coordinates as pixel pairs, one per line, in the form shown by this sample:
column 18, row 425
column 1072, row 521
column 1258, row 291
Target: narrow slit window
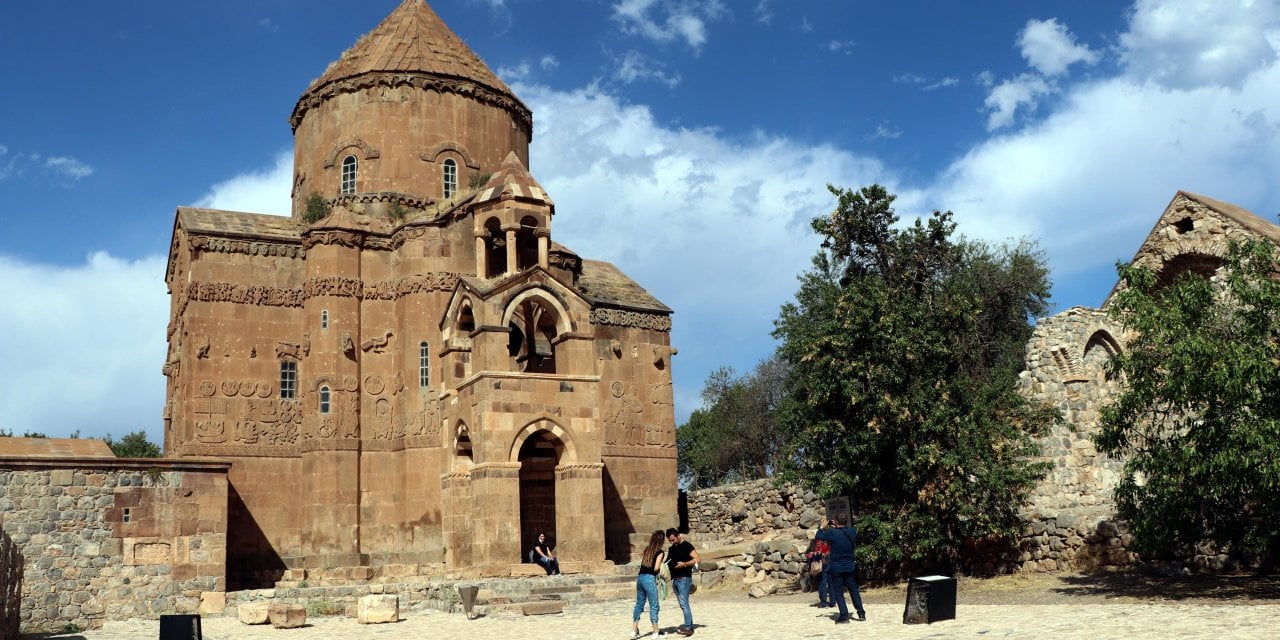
column 349, row 166
column 324, row 319
column 424, row 365
column 324, row 399
column 128, row 515
column 288, row 379
column 450, row 178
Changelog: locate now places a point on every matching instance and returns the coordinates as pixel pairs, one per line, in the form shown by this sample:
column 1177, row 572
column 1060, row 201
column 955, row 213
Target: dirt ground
column 1049, row 589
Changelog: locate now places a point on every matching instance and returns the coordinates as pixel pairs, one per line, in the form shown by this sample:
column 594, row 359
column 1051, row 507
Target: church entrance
column 539, row 455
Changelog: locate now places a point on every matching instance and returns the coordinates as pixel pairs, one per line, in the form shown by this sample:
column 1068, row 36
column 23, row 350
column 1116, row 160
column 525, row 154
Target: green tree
column 1198, row 422
column 133, row 445
column 8, row 433
column 734, row 436
column 905, row 345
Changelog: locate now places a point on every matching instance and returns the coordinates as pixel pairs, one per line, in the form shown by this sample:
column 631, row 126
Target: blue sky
column 687, row 141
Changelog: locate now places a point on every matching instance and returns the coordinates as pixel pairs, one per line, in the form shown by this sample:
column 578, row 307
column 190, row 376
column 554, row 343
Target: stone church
column 1068, row 354
column 409, row 370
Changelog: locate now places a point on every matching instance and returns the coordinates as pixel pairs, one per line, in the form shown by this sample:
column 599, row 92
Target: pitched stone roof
column 1240, row 215
column 412, row 39
column 55, row 448
column 237, row 223
column 512, row 180
column 604, row 284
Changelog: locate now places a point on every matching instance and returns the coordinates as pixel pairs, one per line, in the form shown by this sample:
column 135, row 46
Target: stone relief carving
column 635, row 319
column 383, row 427
column 348, row 345
column 243, row 294
column 202, row 347
column 349, row 420
column 265, row 249
column 373, row 385
column 378, row 344
column 291, row 349
column 623, row 417
column 316, row 237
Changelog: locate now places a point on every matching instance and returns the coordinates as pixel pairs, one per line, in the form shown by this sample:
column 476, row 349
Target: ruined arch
column 1200, row 264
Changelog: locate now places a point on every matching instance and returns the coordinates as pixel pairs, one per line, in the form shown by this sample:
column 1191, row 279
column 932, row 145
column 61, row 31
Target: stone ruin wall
column 82, row 563
column 761, row 542
column 10, row 584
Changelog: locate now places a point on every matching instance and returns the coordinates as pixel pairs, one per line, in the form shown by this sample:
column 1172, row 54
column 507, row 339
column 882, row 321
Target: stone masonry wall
column 10, row 585
column 769, row 541
column 113, row 539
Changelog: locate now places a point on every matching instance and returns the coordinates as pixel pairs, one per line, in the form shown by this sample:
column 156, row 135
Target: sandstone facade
column 421, row 377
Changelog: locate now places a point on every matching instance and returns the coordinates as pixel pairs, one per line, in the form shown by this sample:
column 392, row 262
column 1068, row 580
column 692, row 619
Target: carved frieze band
column 634, row 319
column 623, row 451
column 424, row 81
column 227, row 245
column 347, row 239
column 330, row 286
column 587, row 470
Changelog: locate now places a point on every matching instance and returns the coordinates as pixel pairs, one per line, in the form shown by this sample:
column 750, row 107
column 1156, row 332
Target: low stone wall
column 107, row 539
column 10, row 585
column 1082, row 539
column 732, row 512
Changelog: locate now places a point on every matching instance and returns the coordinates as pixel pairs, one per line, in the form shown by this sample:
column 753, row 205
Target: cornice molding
column 422, row 81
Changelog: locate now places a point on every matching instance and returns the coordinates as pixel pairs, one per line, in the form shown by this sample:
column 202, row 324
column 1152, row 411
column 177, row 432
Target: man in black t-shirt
column 682, row 559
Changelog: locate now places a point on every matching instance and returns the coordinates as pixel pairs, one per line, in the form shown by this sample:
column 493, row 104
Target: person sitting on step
column 545, row 555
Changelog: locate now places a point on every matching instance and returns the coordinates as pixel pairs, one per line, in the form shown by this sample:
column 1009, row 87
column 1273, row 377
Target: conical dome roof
column 413, row 40
column 513, row 180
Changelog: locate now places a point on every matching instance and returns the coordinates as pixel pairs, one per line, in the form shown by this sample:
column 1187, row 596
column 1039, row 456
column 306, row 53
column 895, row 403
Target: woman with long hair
column 647, row 583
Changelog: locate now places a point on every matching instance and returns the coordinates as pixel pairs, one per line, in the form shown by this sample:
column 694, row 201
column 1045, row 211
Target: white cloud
column 1050, row 49
column 668, row 20
column 929, row 85
column 90, row 339
column 68, row 167
column 1006, row 98
column 763, row 14
column 635, row 67
column 841, row 46
column 1192, row 43
column 548, row 62
column 717, row 229
column 256, row 191
column 884, row 131
column 1090, row 177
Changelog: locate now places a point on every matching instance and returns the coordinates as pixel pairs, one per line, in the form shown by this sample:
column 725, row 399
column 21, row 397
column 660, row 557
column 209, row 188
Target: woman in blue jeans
column 647, row 584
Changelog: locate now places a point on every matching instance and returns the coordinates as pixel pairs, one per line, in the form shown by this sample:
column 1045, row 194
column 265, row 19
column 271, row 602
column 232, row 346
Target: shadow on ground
column 1159, row 587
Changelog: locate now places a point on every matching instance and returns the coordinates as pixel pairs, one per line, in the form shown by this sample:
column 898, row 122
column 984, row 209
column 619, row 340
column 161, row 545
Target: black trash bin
column 930, row 599
column 180, row 627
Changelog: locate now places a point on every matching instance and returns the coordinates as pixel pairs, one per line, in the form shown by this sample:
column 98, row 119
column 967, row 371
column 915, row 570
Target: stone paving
column 736, row 616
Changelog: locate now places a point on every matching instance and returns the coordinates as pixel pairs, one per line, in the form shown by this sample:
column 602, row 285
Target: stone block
column 286, row 616
column 212, row 602
column 543, row 607
column 374, row 609
column 61, row 477
column 253, row 612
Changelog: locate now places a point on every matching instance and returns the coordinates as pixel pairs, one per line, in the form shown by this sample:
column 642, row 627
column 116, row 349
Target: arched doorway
column 538, row 457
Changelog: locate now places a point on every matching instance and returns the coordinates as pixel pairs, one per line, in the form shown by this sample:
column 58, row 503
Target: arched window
column 450, row 178
column 424, row 365
column 324, row 399
column 324, row 319
column 349, row 166
column 288, row 379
